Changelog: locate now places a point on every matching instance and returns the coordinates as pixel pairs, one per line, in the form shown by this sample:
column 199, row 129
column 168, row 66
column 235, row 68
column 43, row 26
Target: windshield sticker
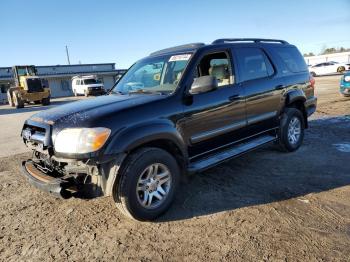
column 183, row 57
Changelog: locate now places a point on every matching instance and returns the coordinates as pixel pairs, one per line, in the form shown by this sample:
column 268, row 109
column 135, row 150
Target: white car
column 328, row 68
column 87, row 85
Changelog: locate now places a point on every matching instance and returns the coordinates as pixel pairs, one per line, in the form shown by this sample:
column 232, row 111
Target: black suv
column 178, row 111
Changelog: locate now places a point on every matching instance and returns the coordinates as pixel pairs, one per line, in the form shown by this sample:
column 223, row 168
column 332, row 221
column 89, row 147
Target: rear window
column 292, row 58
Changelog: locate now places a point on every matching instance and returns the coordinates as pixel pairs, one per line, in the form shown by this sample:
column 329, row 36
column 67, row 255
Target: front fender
column 130, row 138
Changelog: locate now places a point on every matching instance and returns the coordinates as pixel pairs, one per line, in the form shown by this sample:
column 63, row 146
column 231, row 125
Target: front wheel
column 18, row 102
column 147, row 184
column 9, row 98
column 291, row 133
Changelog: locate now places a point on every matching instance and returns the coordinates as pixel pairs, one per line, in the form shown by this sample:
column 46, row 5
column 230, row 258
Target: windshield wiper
column 144, row 91
column 115, row 92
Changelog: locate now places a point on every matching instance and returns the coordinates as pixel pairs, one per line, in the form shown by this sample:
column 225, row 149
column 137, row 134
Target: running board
column 227, row 154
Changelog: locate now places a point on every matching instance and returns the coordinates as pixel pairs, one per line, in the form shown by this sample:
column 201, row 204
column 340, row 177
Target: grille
column 34, row 85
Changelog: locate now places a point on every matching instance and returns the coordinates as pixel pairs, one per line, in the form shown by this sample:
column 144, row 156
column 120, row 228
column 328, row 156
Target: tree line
column 331, row 50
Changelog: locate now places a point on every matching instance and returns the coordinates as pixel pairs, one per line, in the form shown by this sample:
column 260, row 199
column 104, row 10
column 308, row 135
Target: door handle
column 279, row 87
column 235, row 98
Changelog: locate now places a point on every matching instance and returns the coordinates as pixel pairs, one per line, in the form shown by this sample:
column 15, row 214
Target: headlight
column 81, row 140
column 347, row 78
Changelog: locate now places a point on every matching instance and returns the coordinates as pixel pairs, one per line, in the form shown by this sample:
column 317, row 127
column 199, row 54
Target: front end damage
column 63, row 177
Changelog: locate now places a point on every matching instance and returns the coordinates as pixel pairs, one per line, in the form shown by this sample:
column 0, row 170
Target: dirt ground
column 265, row 206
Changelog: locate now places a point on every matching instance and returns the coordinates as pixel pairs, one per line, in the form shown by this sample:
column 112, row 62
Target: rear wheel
column 313, row 74
column 9, row 98
column 340, row 69
column 45, row 101
column 291, row 133
column 37, row 102
column 18, row 102
column 147, row 184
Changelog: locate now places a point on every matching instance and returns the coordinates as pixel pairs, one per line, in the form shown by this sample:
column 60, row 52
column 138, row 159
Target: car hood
column 81, row 113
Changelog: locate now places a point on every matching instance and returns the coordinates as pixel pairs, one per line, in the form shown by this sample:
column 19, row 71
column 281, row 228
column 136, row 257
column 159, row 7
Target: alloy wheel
column 153, row 185
column 294, row 130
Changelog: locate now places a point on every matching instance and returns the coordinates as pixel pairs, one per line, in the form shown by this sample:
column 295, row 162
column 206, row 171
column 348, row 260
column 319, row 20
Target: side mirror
column 203, row 84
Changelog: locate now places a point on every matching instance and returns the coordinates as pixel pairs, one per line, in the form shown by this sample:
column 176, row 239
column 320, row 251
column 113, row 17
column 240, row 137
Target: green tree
column 333, row 50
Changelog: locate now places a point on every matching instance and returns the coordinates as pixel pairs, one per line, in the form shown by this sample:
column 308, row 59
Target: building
column 343, row 57
column 59, row 77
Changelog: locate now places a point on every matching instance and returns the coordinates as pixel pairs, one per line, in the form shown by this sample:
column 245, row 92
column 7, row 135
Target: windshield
column 149, row 75
column 91, row 81
column 23, row 71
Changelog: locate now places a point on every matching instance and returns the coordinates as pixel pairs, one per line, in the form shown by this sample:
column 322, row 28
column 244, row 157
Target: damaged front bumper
column 65, row 178
column 86, row 176
column 56, row 186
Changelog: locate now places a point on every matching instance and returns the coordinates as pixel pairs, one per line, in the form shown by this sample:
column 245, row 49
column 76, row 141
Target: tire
column 291, row 132
column 45, row 101
column 37, row 102
column 18, row 102
column 137, row 167
column 313, row 74
column 340, row 69
column 9, row 98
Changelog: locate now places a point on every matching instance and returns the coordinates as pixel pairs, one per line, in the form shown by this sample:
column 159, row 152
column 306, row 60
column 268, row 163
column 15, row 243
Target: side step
column 227, row 154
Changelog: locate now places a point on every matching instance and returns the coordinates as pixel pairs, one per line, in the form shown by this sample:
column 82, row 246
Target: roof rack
column 255, row 40
column 179, row 47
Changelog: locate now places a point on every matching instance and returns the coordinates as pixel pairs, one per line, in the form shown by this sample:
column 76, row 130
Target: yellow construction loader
column 27, row 88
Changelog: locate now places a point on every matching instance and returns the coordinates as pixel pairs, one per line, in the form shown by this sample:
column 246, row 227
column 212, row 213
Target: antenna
column 67, row 55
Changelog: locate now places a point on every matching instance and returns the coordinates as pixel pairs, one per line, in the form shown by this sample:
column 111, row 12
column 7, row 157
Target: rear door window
column 253, row 64
column 292, row 59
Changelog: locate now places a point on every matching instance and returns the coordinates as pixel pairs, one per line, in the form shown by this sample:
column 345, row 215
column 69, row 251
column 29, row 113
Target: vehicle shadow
column 7, row 110
column 268, row 175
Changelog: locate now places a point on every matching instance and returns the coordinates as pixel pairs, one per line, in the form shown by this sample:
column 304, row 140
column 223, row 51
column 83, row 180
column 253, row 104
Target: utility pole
column 67, row 55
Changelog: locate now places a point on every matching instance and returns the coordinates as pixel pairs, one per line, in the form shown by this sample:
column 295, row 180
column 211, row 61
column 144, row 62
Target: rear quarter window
column 292, row 59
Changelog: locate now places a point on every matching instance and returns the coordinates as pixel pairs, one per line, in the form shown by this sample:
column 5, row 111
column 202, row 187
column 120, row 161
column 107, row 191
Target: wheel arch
column 158, row 135
column 296, row 99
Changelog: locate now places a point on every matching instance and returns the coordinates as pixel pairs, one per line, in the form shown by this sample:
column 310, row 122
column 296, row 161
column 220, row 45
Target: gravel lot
column 265, row 205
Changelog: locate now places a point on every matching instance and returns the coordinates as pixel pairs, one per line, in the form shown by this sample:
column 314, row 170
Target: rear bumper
column 310, row 105
column 40, row 180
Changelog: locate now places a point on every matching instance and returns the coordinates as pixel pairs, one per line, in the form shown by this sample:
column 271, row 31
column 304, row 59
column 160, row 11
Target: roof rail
column 179, row 47
column 255, row 40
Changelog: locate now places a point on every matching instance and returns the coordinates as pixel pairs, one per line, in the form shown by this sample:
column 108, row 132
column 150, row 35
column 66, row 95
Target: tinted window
column 292, row 58
column 253, row 64
column 91, row 81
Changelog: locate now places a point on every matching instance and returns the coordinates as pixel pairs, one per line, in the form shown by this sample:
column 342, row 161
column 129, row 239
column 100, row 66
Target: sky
column 111, row 31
